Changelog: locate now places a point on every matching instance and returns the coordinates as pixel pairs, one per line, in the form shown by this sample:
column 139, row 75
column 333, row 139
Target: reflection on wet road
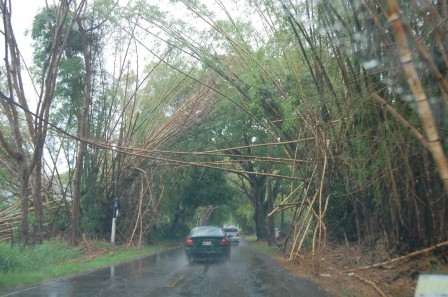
column 169, row 274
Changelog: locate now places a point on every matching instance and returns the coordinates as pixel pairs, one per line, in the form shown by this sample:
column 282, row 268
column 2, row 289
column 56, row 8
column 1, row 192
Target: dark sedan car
column 207, row 242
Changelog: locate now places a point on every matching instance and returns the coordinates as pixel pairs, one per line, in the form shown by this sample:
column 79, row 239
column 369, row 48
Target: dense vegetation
column 327, row 119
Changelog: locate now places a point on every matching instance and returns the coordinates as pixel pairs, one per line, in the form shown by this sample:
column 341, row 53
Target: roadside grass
column 260, row 245
column 23, row 266
column 345, row 292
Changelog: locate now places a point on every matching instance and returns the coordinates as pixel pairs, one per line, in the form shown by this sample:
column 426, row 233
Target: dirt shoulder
column 331, row 270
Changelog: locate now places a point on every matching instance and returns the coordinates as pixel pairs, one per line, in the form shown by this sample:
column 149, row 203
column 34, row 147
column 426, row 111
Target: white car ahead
column 232, row 233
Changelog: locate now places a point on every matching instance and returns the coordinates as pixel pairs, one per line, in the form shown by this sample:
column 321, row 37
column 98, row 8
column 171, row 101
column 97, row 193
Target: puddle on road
column 176, row 282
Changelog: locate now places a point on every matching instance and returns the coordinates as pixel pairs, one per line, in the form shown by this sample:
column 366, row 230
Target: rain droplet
column 370, row 64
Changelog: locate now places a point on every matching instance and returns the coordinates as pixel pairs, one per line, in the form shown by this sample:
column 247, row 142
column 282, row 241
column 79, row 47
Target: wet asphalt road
column 168, row 274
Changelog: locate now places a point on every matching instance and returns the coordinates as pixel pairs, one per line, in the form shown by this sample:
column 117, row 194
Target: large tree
column 36, row 122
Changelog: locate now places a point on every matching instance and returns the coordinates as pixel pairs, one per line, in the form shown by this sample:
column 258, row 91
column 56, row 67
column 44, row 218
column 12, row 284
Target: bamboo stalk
column 302, row 208
column 424, row 109
column 139, row 213
column 284, row 200
column 303, row 237
column 399, row 118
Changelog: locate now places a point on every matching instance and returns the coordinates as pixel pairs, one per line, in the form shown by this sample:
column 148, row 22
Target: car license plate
column 207, row 243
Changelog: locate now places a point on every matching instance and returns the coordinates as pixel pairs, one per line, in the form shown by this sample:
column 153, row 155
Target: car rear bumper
column 207, row 253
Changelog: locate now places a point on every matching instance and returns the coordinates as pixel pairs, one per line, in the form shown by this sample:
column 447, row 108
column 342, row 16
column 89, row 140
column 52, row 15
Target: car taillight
column 224, row 242
column 189, row 242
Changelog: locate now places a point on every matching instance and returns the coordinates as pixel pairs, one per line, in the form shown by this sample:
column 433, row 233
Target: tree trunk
column 270, row 206
column 82, row 133
column 260, row 222
column 37, row 200
column 24, row 238
column 178, row 214
column 260, row 213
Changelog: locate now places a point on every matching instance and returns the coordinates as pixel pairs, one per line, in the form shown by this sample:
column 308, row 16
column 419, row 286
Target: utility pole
column 116, row 206
column 114, row 220
column 114, row 210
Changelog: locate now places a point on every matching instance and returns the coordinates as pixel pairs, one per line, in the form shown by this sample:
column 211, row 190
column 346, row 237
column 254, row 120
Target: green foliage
column 241, row 213
column 42, row 33
column 203, row 186
column 71, row 84
column 95, row 219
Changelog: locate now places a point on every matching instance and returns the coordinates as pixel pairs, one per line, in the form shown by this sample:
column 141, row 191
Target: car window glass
column 207, row 231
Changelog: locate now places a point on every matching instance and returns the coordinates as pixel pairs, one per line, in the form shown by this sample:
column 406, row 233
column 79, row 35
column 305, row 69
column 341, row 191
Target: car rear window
column 230, row 230
column 207, row 231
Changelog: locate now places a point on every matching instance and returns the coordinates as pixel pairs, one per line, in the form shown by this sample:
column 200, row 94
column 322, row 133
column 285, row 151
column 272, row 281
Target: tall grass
column 14, row 259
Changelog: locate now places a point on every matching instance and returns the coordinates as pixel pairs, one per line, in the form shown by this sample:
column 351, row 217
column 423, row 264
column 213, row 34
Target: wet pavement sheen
column 168, row 274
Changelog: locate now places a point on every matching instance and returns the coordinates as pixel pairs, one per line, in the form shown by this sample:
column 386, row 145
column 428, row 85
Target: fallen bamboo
column 92, row 257
column 372, row 284
column 307, row 215
column 413, row 254
column 284, row 201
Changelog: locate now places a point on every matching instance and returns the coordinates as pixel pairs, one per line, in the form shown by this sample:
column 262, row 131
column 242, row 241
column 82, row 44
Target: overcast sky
column 23, row 12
